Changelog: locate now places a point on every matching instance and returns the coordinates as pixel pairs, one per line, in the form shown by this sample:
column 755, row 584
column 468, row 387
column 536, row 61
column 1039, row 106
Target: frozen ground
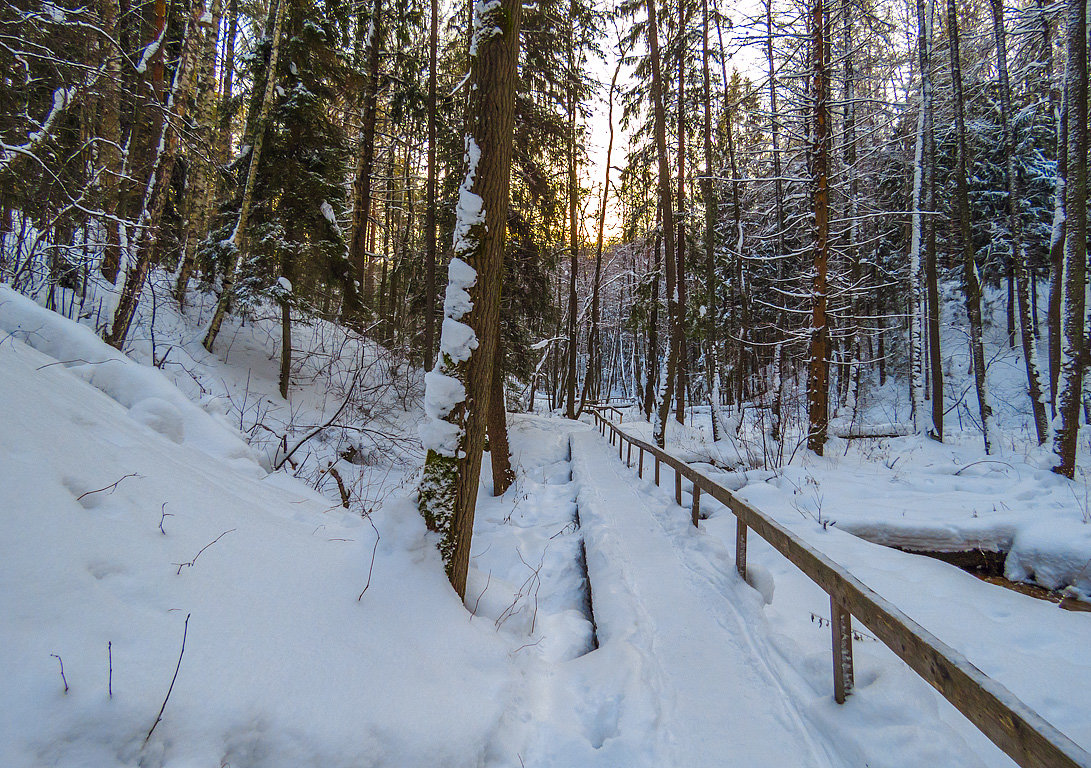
column 599, row 629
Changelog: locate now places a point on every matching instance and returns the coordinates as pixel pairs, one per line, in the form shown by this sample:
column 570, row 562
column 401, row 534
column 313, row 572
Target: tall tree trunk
column 430, row 249
column 238, row 235
column 774, row 117
column 738, row 286
column 667, row 212
column 222, row 151
column 1015, row 225
column 680, row 269
column 971, row 283
column 158, row 186
column 361, row 189
column 818, row 372
column 711, row 318
column 931, row 271
column 197, row 202
column 109, row 149
column 573, row 233
column 1075, row 245
column 855, row 353
column 916, row 241
column 1057, row 237
column 457, row 390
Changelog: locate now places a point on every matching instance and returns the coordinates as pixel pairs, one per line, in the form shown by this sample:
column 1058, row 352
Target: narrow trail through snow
column 695, row 676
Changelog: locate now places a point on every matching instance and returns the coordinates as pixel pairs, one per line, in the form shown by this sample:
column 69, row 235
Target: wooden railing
column 1013, row 726
column 599, row 408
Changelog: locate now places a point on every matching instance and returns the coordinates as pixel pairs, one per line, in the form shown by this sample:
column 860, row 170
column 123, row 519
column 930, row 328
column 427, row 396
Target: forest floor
column 146, row 546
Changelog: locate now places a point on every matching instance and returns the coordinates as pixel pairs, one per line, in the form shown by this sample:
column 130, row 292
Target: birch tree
column 237, row 240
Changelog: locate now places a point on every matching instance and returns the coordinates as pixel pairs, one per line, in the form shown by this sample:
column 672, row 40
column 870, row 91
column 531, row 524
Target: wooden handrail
column 1009, row 723
column 598, row 408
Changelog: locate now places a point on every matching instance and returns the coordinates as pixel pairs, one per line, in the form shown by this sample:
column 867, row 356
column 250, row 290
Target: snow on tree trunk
column 916, row 338
column 971, row 281
column 1075, row 245
column 238, row 235
column 457, row 390
column 155, row 193
column 1030, row 346
column 666, row 208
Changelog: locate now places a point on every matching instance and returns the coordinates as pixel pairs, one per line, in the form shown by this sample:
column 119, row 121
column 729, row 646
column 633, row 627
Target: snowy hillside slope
column 283, row 665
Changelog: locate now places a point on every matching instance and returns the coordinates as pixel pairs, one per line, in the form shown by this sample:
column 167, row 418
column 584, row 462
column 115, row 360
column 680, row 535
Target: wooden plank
column 740, row 547
column 841, row 632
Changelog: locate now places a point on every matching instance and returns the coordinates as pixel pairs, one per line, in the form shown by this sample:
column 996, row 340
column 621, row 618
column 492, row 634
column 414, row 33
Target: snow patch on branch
column 150, row 51
column 62, row 98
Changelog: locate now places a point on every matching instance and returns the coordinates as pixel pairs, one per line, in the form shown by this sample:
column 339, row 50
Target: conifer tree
column 458, row 388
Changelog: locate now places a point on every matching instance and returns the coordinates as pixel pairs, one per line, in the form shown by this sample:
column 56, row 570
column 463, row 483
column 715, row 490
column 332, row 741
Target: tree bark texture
column 971, row 282
column 458, row 389
column 1070, row 384
column 818, row 370
column 1018, row 256
column 667, row 212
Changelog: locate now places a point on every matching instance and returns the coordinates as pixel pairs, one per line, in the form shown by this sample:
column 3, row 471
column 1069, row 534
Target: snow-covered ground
column 599, row 627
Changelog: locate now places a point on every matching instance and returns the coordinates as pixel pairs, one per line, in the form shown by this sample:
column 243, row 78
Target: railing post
column 695, row 509
column 740, row 547
column 640, row 465
column 677, row 487
column 841, row 626
column 629, row 456
column 620, row 445
column 657, row 470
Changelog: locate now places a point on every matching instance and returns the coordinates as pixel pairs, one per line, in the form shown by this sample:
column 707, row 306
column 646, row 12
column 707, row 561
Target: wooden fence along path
column 1007, row 721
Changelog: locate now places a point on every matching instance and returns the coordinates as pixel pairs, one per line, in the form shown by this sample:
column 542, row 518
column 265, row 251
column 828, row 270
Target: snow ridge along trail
column 710, row 695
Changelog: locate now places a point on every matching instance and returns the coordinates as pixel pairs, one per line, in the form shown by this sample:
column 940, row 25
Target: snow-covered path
column 668, row 596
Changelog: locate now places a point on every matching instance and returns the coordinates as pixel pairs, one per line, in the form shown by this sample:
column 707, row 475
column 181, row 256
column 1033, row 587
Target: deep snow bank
column 282, row 665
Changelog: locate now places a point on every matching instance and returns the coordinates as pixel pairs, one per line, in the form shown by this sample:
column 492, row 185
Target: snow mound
column 109, row 560
column 150, row 397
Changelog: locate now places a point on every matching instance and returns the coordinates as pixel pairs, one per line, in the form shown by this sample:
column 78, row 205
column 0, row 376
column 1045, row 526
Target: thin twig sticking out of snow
column 164, row 514
column 111, row 488
column 371, row 567
column 61, row 662
column 159, row 717
column 206, row 546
